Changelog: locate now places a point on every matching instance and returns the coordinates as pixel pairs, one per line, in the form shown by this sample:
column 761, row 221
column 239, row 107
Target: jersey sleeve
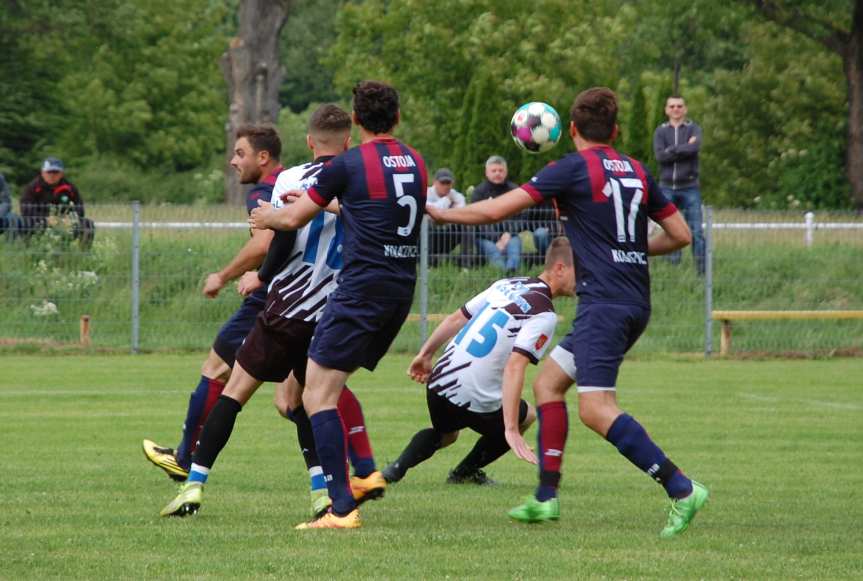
column 535, row 336
column 549, row 182
column 332, row 181
column 259, row 192
column 476, row 304
column 659, row 206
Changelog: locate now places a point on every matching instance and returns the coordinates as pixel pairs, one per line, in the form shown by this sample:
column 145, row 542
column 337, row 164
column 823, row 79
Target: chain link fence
column 135, row 284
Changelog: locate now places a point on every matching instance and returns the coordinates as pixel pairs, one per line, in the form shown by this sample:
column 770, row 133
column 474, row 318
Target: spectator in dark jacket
column 676, row 145
column 498, row 243
column 49, row 196
column 10, row 222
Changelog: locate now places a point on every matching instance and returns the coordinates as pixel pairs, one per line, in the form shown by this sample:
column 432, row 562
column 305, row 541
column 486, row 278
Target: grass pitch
column 777, row 442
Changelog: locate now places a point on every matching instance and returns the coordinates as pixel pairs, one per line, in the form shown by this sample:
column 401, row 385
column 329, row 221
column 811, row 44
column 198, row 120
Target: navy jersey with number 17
column 381, row 188
column 605, row 199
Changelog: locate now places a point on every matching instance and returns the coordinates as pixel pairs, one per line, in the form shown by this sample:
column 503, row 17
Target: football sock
column 553, row 429
column 421, row 447
column 198, row 474
column 359, row 447
column 484, row 452
column 331, row 444
column 201, row 402
column 217, row 430
column 305, row 436
column 631, row 440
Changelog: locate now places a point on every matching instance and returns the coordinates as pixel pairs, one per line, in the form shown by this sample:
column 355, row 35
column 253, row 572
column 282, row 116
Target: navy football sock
column 217, row 430
column 631, row 440
column 196, row 415
column 331, row 446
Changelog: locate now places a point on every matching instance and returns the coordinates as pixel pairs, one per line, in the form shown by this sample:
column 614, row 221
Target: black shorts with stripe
column 276, row 347
column 448, row 417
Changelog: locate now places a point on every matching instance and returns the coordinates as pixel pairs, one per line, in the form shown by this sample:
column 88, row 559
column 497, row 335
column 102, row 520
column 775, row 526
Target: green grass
column 777, row 442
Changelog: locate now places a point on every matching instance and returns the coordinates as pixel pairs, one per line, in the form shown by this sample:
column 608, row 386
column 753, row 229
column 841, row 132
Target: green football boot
column 187, row 502
column 683, row 511
column 533, row 511
column 320, row 503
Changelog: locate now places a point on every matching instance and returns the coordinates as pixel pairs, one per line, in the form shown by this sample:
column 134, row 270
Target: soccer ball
column 536, row 127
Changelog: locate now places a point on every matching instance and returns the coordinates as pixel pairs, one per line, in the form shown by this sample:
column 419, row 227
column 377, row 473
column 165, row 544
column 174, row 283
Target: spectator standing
column 676, row 145
column 10, row 222
column 50, row 192
column 443, row 195
column 498, row 243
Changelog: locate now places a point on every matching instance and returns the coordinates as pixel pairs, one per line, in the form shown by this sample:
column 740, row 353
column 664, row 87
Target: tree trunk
column 853, row 64
column 253, row 74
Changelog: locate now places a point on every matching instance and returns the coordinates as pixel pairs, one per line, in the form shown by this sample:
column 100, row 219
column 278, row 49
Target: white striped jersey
column 300, row 289
column 513, row 314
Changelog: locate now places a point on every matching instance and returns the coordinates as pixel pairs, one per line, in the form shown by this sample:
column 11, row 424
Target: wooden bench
column 727, row 316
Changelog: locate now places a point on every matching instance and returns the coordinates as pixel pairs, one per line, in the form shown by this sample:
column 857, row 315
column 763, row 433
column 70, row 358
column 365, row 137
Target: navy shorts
column 448, row 417
column 234, row 331
column 601, row 335
column 356, row 332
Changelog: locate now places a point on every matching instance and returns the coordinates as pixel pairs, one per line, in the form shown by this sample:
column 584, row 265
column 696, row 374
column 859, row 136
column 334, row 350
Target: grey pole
column 136, row 276
column 708, row 281
column 424, row 279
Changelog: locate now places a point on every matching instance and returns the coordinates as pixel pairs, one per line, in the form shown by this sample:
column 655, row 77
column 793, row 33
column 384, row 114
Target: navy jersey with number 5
column 605, row 199
column 381, row 187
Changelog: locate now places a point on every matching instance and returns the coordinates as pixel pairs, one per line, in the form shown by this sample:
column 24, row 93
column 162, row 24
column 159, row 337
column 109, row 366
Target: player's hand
column 693, row 139
column 258, row 216
column 420, row 368
column 291, row 196
column 436, row 214
column 249, row 283
column 212, row 285
column 519, row 446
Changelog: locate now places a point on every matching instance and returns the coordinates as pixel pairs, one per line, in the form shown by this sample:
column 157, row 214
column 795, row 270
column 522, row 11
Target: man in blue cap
column 51, row 195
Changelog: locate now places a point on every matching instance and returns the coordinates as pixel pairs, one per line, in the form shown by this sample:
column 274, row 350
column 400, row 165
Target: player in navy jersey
column 300, row 268
column 381, row 186
column 478, row 380
column 605, row 199
column 256, row 160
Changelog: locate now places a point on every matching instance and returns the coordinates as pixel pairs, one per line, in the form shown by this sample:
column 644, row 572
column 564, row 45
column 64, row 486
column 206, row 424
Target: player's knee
column 215, row 368
column 529, row 419
column 448, row 439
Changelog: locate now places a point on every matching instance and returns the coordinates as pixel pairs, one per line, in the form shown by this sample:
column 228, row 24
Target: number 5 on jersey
column 399, row 181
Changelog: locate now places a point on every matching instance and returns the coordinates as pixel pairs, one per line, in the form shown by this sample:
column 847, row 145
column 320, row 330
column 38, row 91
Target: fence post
column 424, row 279
column 810, row 228
column 136, row 277
column 708, row 281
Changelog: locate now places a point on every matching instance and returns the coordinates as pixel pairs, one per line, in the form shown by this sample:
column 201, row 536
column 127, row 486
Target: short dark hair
column 376, row 105
column 560, row 249
column 594, row 113
column 262, row 138
column 329, row 118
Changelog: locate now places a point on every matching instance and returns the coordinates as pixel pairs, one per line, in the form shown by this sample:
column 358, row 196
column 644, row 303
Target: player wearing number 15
column 381, row 187
column 605, row 198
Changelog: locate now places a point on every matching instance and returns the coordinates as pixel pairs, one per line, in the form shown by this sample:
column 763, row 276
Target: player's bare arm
column 292, row 196
column 675, row 235
column 248, row 258
column 487, row 211
column 249, row 283
column 513, row 385
column 421, row 366
column 291, row 217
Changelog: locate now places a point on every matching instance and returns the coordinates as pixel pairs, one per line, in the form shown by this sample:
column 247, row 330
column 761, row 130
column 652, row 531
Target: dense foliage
column 130, row 94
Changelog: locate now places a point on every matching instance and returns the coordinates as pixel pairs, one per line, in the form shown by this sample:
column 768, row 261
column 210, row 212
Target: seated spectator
column 10, row 222
column 444, row 237
column 498, row 243
column 541, row 222
column 51, row 197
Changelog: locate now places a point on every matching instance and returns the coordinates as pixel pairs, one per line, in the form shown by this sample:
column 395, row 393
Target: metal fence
column 137, row 284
